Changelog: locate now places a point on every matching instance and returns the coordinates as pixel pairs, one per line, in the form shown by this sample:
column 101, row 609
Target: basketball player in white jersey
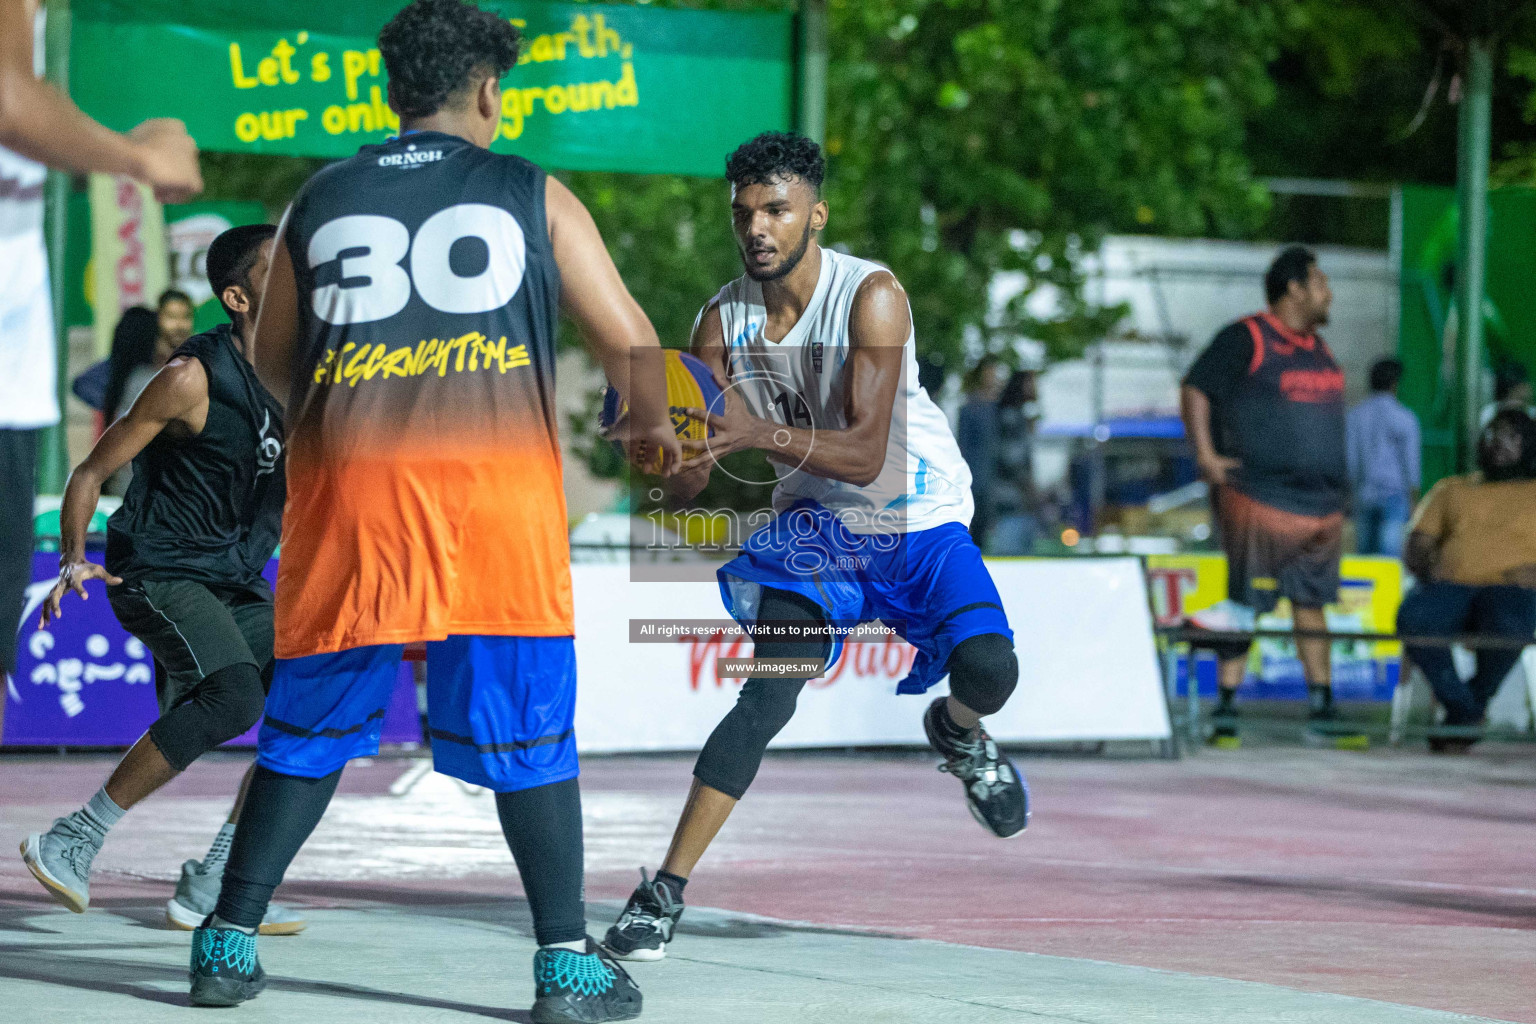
column 815, row 352
column 40, row 128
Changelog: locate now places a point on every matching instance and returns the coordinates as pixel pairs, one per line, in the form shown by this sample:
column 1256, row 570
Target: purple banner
column 86, row 682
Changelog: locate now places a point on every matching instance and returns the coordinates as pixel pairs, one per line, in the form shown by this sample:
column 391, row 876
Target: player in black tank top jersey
column 185, row 554
column 209, row 506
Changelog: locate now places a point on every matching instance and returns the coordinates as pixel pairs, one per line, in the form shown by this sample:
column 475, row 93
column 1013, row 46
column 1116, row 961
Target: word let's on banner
column 596, row 87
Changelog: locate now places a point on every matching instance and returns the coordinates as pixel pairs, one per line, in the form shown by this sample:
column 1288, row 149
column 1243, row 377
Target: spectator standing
column 976, row 433
column 1015, row 503
column 1263, row 408
column 41, row 128
column 1472, row 546
column 1383, row 452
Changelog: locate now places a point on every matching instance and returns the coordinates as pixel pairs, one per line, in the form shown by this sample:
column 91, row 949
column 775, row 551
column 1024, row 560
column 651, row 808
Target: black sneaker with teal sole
column 646, row 925
column 995, row 790
column 581, row 988
column 225, row 968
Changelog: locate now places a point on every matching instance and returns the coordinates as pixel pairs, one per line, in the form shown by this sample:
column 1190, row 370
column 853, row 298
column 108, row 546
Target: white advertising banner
column 1088, row 667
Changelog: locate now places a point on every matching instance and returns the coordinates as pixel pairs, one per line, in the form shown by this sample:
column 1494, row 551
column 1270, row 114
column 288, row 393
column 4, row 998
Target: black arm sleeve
column 1223, row 363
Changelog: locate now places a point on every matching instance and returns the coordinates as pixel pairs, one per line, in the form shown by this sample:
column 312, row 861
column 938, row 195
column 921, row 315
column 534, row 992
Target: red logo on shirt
column 1312, row 385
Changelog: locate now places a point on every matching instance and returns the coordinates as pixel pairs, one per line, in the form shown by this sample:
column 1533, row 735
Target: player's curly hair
column 433, row 49
column 773, row 156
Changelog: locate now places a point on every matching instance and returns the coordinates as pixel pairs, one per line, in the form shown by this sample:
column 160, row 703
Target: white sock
column 579, row 946
column 218, row 853
column 101, row 811
column 219, row 922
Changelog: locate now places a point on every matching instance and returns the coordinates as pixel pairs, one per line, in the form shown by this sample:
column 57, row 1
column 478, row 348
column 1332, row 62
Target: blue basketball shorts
column 930, row 586
column 501, row 709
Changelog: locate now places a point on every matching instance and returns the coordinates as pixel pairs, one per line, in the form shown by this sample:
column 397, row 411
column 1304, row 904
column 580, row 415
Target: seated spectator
column 141, row 345
column 104, row 384
column 142, row 352
column 1511, row 390
column 1472, row 546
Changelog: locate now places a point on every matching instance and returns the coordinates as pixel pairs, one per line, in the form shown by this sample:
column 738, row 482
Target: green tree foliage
column 970, row 137
column 966, row 138
column 1366, row 92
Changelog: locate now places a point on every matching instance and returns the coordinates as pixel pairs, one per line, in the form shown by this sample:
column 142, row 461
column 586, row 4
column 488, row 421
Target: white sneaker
column 1225, row 616
column 197, row 893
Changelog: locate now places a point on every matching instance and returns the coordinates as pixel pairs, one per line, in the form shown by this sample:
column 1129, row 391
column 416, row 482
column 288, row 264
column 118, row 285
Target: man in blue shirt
column 1382, row 439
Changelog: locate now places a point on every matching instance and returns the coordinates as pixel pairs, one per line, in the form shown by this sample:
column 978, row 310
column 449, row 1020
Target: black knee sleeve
column 221, row 707
column 983, row 670
column 734, row 751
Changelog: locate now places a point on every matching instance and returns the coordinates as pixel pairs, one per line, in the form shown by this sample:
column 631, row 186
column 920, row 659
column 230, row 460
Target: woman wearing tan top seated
column 1472, row 546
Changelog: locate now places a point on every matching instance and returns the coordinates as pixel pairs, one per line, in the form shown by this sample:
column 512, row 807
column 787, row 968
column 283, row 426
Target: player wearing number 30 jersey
column 411, row 326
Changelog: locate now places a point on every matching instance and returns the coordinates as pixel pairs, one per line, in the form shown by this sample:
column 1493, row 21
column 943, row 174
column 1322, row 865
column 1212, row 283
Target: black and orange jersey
column 1277, row 406
column 424, row 478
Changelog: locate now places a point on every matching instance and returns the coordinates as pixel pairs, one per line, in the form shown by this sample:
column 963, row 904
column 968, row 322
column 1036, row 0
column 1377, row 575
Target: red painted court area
column 1393, row 876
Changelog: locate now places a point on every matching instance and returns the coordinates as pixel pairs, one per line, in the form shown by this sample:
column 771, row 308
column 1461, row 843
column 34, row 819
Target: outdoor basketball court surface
column 1251, row 886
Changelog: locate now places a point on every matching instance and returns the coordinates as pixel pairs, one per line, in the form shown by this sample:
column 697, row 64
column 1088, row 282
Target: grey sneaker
column 61, row 859
column 197, row 893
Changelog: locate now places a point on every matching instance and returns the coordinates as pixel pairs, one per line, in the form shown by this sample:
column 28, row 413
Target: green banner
column 1426, row 321
column 597, row 87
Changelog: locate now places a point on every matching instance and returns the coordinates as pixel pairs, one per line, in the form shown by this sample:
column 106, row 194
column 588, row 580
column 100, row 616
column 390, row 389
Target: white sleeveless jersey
column 801, row 381
column 27, row 371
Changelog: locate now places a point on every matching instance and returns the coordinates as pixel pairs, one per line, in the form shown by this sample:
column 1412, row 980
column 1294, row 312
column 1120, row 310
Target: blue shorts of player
column 501, row 709
column 930, row 586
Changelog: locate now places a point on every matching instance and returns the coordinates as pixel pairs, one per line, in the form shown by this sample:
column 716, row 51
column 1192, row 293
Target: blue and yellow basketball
column 690, row 385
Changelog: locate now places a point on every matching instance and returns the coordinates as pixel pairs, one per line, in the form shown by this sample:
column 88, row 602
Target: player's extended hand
column 656, row 450
column 692, row 478
column 1215, row 469
column 734, row 429
column 72, row 576
column 168, row 159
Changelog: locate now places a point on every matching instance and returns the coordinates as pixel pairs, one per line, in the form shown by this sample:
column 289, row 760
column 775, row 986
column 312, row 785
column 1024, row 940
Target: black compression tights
column 542, row 826
column 734, row 751
column 279, row 814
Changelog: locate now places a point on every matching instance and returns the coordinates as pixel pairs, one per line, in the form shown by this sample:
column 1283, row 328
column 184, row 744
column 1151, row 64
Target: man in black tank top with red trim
column 1263, row 408
column 185, row 554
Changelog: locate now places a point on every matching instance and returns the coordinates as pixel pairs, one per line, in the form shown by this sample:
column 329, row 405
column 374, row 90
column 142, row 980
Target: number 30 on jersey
column 380, row 263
